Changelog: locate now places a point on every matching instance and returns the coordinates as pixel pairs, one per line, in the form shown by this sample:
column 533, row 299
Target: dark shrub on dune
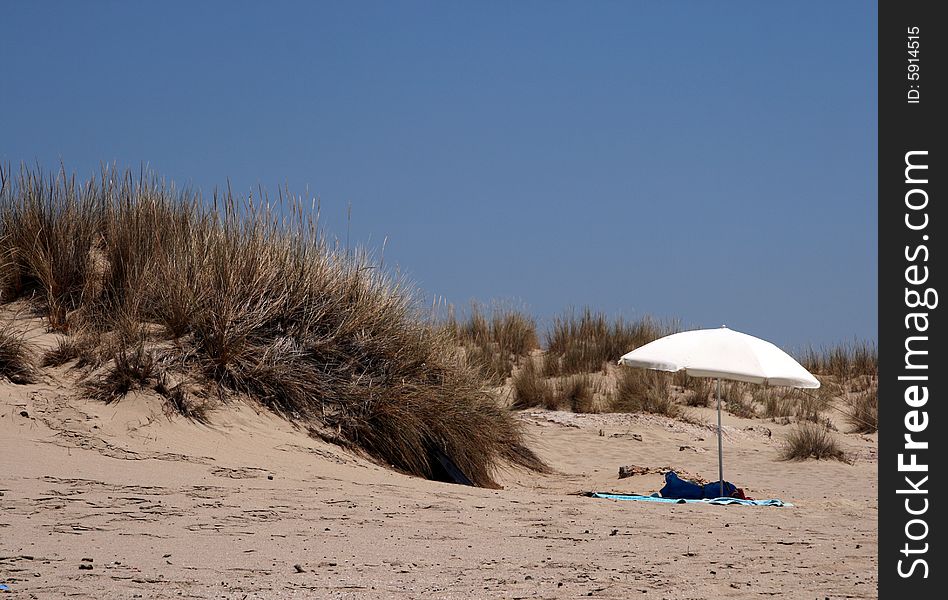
column 251, row 300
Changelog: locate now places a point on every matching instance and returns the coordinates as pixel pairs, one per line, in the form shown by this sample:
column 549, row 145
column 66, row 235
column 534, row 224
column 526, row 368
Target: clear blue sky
column 714, row 162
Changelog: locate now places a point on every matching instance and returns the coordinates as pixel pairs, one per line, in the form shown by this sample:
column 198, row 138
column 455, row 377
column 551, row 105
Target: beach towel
column 720, row 501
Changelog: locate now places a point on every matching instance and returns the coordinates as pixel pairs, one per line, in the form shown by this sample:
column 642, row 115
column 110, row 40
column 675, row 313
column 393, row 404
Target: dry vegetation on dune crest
column 639, row 390
column 577, row 393
column 844, row 362
column 862, row 411
column 737, row 399
column 154, row 289
column 494, row 342
column 530, row 389
column 698, row 390
column 849, row 372
column 573, row 372
column 584, row 343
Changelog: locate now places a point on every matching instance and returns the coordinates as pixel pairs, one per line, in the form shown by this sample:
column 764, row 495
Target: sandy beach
column 123, row 501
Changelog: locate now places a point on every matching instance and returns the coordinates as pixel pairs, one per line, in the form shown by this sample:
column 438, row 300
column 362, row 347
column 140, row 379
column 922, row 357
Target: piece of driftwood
column 632, row 470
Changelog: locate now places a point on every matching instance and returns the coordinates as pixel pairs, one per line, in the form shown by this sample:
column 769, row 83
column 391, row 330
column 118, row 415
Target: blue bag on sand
column 713, row 489
column 676, row 487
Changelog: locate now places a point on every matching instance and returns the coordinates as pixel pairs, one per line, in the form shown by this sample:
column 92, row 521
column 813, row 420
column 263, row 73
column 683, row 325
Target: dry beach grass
column 244, row 300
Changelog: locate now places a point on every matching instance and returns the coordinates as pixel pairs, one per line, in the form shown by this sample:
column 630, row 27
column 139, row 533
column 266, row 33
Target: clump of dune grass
column 776, row 402
column 83, row 348
column 738, row 401
column 16, row 357
column 494, row 366
column 843, row 361
column 66, row 350
column 142, row 367
column 494, row 340
column 47, row 233
column 811, row 404
column 180, row 401
column 805, row 405
column 809, row 440
column 251, row 299
column 641, row 390
column 851, row 373
column 698, row 390
column 578, row 393
column 862, row 383
column 585, row 342
column 530, row 389
column 861, row 411
column 130, row 369
column 575, row 392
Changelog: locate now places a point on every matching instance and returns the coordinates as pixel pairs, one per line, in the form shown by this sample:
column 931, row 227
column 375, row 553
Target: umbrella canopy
column 722, row 354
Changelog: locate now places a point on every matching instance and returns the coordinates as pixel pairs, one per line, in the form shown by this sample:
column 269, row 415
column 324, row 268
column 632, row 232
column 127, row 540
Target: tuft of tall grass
column 179, row 401
column 640, row 390
column 17, row 361
column 85, row 346
column 810, row 440
column 66, row 349
column 578, row 393
column 493, row 341
column 737, row 401
column 250, row 297
column 530, row 389
column 862, row 411
column 698, row 389
column 492, row 365
column 812, row 404
column 584, row 342
column 130, row 369
column 776, row 402
column 805, row 405
column 46, row 238
column 843, row 361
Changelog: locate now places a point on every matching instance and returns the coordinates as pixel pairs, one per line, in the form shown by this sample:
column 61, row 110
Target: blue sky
column 714, row 162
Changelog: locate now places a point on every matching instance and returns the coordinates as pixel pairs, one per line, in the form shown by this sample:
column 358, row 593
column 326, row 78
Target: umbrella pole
column 720, row 447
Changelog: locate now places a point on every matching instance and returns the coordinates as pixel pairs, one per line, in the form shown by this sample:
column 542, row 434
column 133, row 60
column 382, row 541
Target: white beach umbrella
column 722, row 354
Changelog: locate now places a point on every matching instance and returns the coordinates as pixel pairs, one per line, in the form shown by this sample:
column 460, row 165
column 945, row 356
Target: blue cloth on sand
column 676, row 487
column 771, row 502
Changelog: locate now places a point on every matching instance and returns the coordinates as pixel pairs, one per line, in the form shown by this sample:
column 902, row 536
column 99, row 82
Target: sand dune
column 165, row 507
